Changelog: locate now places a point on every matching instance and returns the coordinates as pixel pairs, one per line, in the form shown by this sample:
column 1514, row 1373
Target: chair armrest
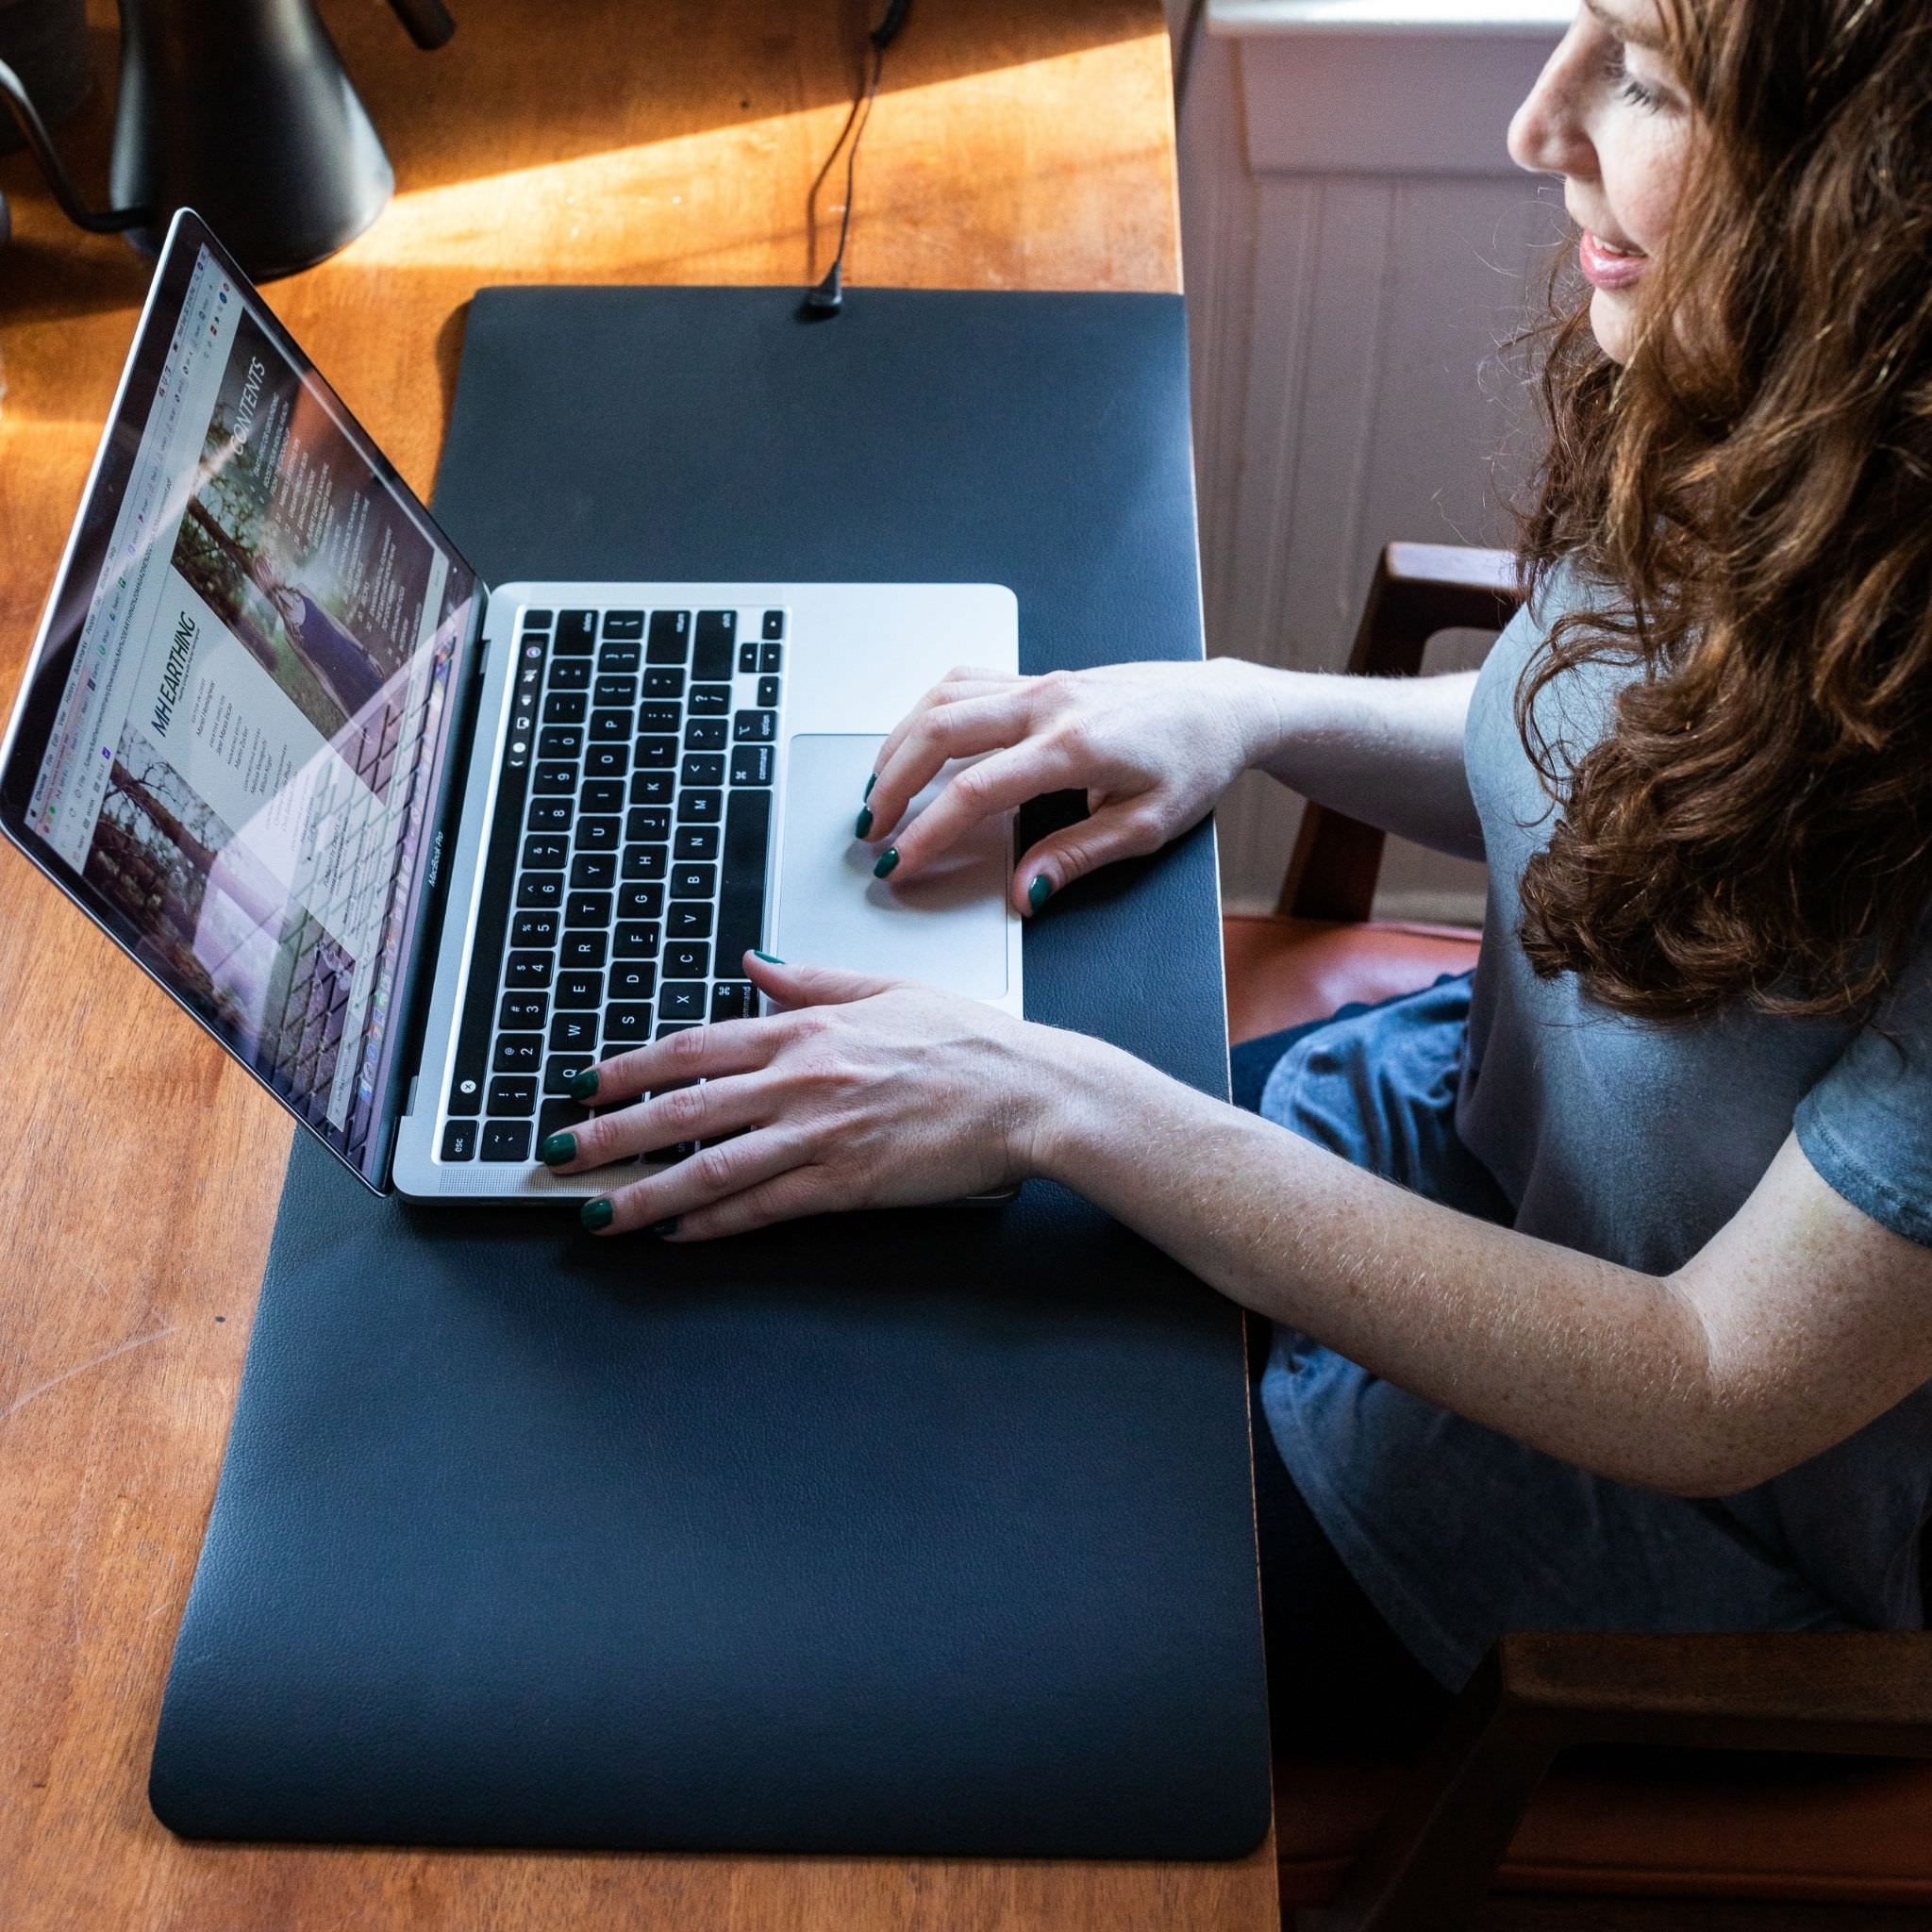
column 1864, row 1691
column 1866, row 1694
column 1418, row 589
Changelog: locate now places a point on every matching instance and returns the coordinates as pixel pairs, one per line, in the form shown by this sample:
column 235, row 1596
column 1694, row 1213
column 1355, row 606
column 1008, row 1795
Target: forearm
column 1598, row 1364
column 1385, row 750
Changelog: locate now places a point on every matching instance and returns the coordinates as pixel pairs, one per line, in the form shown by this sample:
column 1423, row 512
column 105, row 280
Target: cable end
column 825, row 301
column 883, row 35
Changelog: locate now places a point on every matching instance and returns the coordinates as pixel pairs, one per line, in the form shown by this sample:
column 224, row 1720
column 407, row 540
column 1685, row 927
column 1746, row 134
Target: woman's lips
column 1605, row 267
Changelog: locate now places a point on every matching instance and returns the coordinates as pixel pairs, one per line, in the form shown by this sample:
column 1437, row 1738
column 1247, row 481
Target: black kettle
column 241, row 110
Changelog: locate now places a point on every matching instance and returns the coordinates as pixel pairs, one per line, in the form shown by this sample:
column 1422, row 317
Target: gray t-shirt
column 1629, row 1140
column 1637, row 1142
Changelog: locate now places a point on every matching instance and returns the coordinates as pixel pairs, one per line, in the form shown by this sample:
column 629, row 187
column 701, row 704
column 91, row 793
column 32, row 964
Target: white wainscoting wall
column 1356, row 249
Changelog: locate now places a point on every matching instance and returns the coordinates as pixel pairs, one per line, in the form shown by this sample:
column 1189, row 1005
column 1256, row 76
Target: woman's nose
column 1546, row 134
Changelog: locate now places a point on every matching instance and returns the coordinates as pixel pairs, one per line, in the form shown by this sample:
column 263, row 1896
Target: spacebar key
column 741, row 894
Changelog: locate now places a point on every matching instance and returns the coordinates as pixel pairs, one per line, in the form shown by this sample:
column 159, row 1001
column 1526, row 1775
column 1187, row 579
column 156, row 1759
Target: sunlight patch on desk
column 695, row 180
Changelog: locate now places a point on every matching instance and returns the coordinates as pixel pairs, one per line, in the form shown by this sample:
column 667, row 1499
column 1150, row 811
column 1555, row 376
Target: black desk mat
column 919, row 1532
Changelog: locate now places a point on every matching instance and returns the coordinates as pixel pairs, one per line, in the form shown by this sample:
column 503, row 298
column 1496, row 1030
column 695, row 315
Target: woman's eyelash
column 1631, row 88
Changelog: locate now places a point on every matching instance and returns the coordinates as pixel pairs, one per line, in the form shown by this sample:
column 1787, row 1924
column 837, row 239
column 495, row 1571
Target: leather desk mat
column 902, row 1533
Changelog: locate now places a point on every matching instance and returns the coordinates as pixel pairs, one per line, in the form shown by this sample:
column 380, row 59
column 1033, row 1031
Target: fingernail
column 864, row 821
column 555, row 1149
column 870, row 783
column 582, row 1087
column 888, row 859
column 1040, row 891
column 662, row 1228
column 770, row 959
column 597, row 1215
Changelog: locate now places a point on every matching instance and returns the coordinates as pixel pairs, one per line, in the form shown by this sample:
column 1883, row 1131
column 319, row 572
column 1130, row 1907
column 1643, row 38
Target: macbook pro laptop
column 414, row 848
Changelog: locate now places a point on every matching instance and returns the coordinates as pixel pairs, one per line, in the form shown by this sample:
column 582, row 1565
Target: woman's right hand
column 1153, row 745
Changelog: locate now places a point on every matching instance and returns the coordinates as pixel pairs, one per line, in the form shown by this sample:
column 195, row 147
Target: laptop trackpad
column 947, row 927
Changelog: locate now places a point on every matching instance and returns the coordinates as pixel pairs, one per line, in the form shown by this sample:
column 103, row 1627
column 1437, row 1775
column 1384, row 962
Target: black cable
column 1184, row 60
column 828, row 297
column 831, row 161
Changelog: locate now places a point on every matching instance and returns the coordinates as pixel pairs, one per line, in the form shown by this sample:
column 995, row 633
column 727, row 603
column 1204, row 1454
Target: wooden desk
column 1016, row 147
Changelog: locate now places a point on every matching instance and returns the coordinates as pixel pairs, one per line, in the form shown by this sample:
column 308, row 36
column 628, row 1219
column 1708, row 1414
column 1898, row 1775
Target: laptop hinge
column 414, row 994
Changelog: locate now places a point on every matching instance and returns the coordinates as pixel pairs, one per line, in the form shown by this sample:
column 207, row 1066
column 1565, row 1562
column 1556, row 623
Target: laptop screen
column 231, row 742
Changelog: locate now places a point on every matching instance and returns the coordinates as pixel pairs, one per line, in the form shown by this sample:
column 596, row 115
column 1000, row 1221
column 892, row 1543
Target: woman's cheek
column 1658, row 175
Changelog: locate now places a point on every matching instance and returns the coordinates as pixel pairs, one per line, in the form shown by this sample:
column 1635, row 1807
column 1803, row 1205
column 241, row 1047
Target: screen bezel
column 51, row 661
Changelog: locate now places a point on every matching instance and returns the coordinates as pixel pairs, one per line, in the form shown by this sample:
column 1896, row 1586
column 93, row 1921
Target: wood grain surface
column 1016, row 146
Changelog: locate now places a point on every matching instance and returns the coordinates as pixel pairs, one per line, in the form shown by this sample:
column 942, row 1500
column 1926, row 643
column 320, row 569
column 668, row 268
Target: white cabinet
column 1356, row 249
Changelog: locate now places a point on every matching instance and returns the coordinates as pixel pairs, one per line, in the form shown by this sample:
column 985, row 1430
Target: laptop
column 414, row 848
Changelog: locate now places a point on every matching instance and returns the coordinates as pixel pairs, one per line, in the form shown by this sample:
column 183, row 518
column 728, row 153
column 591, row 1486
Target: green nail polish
column 888, row 859
column 1040, row 891
column 584, row 1086
column 770, row 959
column 555, row 1149
column 864, row 823
column 870, row 783
column 597, row 1215
column 660, row 1228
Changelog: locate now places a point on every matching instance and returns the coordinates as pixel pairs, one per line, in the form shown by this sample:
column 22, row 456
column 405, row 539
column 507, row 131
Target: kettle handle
column 13, row 95
column 428, row 22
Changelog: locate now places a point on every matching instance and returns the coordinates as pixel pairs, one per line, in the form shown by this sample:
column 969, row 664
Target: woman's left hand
column 864, row 1092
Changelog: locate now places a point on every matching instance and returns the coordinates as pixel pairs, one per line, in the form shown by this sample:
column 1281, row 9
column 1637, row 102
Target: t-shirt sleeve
column 1866, row 1127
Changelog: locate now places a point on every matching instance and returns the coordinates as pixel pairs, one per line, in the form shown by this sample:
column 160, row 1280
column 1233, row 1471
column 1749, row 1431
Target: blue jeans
column 1365, row 1692
column 1455, row 1532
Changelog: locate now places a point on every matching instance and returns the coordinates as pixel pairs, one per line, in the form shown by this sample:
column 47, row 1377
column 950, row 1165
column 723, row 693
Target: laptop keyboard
column 625, row 876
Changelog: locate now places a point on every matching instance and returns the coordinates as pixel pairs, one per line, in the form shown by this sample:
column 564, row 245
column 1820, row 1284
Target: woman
column 338, row 661
column 1641, row 1218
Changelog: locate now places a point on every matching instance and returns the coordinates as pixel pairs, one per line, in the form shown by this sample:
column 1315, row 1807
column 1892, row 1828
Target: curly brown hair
column 1752, row 494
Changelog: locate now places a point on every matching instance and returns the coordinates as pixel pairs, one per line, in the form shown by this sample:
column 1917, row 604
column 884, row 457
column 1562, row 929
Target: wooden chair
column 1767, row 1767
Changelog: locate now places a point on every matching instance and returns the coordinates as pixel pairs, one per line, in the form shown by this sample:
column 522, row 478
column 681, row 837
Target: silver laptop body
column 416, row 849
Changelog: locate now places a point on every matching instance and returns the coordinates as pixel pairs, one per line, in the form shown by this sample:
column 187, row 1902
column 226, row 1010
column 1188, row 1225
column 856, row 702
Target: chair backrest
column 1418, row 589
